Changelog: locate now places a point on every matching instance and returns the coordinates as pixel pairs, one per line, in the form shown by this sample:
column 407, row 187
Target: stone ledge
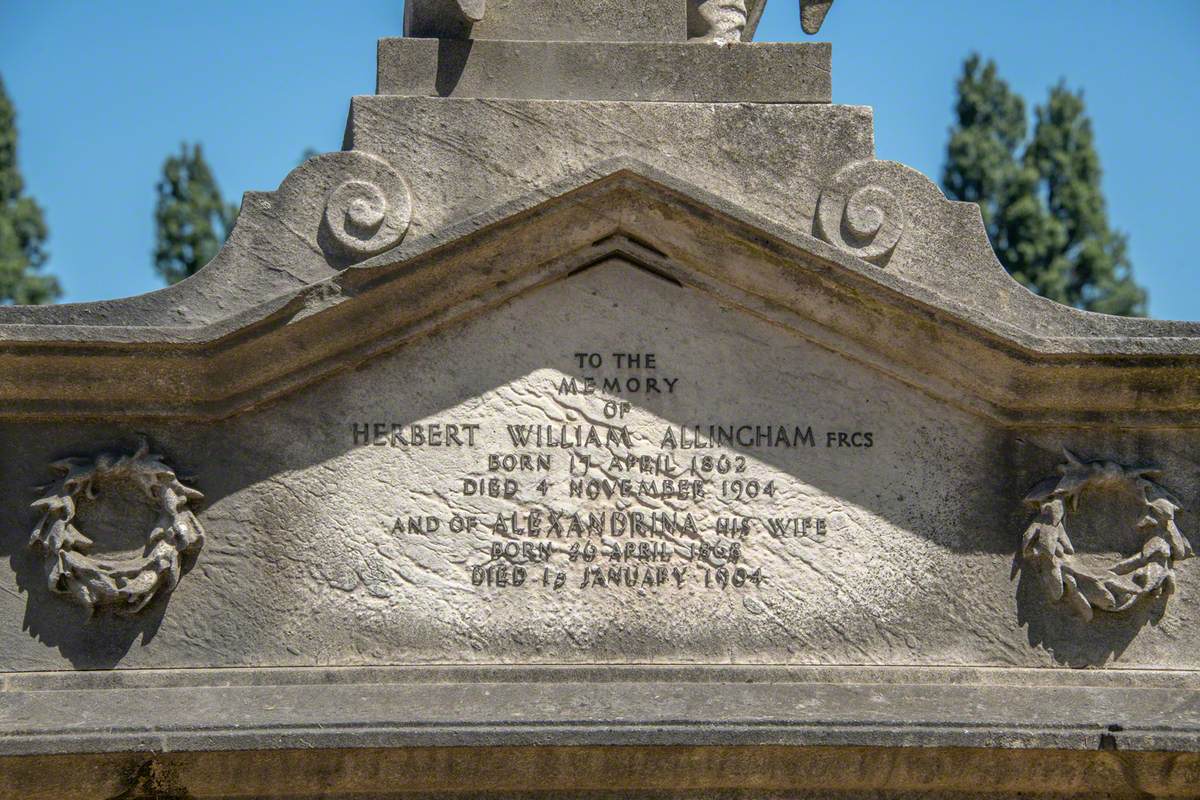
column 629, row 71
column 629, row 772
column 646, row 706
column 885, row 675
column 1031, row 362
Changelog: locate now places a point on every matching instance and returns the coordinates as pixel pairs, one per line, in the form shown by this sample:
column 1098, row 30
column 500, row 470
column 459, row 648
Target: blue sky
column 106, row 89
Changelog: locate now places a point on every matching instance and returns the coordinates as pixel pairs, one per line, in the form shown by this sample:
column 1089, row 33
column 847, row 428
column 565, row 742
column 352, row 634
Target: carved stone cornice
column 1021, row 360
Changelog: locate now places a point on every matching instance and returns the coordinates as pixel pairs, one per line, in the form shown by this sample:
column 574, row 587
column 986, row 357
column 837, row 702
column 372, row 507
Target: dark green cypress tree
column 1040, row 196
column 22, row 227
column 191, row 219
column 1088, row 265
column 981, row 163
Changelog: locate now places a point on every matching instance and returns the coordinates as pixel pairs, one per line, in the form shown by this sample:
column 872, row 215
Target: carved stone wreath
column 127, row 585
column 1147, row 574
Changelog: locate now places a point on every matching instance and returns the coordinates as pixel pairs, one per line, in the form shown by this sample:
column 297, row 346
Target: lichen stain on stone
column 153, row 780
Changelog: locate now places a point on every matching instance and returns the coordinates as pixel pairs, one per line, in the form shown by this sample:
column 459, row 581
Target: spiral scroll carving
column 867, row 222
column 364, row 218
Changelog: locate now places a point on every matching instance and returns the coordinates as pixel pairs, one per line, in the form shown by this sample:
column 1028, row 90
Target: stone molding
column 595, row 21
column 390, row 707
column 782, row 72
column 1025, row 361
column 635, row 772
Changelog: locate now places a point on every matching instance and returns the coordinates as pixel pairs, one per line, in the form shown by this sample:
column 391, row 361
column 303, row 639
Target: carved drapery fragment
column 126, row 584
column 812, row 14
column 1046, row 546
column 725, row 21
column 864, row 219
column 719, row 21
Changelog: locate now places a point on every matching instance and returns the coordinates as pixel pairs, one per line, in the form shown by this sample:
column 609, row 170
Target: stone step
column 783, row 72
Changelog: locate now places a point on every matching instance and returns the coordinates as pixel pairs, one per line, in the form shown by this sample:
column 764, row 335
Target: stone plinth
column 629, row 71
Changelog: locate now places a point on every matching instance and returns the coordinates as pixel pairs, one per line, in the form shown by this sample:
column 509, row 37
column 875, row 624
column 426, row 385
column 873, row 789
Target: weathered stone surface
column 332, row 542
column 771, row 161
column 576, row 423
column 648, row 706
column 633, row 71
column 613, row 773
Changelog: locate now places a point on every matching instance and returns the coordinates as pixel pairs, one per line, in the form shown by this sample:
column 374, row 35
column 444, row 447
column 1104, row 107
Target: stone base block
column 699, row 732
column 632, row 71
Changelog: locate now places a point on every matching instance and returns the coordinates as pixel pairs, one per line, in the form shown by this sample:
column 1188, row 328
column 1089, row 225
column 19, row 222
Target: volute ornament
column 365, row 218
column 125, row 584
column 860, row 214
column 1149, row 573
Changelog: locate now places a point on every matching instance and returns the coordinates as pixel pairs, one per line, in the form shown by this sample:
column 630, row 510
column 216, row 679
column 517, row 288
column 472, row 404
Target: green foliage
column 191, row 218
column 981, row 157
column 1040, row 195
column 22, row 227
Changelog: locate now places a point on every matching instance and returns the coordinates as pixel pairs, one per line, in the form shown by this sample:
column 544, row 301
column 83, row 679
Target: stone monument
column 603, row 420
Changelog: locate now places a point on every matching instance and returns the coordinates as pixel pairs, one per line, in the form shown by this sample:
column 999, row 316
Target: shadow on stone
column 300, row 518
column 100, row 642
column 452, row 59
column 102, row 639
column 1070, row 640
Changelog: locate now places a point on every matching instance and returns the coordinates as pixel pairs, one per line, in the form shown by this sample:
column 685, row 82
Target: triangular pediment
column 959, row 349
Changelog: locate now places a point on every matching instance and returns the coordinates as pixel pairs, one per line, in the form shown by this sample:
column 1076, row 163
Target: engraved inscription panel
column 611, row 468
column 600, row 494
column 616, row 468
